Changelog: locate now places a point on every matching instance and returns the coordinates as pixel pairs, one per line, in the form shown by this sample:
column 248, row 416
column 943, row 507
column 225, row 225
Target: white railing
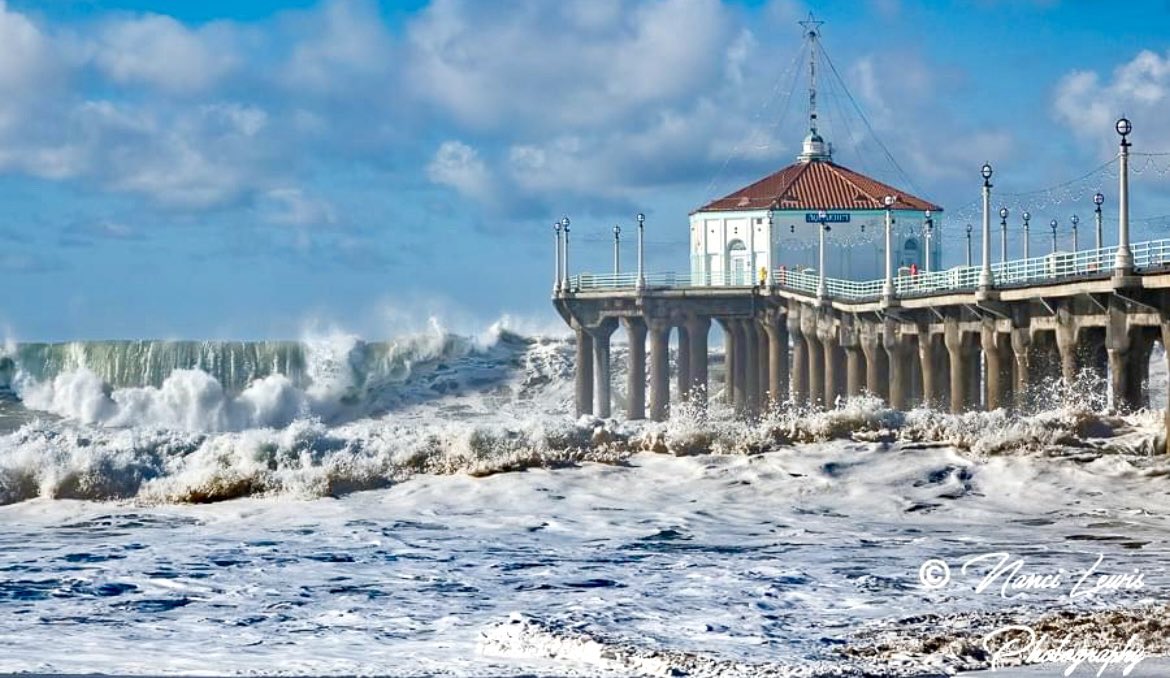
column 1147, row 256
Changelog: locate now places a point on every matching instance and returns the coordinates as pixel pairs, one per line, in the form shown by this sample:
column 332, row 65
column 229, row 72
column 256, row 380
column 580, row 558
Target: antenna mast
column 812, row 31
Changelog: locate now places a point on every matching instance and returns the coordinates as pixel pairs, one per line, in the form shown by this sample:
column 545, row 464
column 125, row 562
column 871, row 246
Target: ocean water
column 429, row 505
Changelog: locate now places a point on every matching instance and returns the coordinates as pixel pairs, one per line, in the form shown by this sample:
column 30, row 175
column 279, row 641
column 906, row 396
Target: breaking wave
column 200, row 422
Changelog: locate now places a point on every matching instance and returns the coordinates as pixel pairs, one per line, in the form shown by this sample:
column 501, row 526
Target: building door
column 737, row 256
column 910, row 254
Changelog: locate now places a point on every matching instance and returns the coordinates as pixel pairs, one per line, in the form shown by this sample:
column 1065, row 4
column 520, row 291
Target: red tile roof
column 818, row 185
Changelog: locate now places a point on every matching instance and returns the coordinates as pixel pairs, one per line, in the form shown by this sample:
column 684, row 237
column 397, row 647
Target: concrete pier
column 636, row 372
column 584, row 377
column 798, row 374
column 659, row 332
column 984, row 349
column 698, row 330
column 776, row 330
column 602, row 378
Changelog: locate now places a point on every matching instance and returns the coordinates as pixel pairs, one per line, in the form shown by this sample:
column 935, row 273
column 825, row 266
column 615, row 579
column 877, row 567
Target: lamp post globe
column 1124, row 126
column 1098, row 200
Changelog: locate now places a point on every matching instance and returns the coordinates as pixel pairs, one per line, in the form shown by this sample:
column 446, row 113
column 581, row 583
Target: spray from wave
column 234, row 386
column 199, row 422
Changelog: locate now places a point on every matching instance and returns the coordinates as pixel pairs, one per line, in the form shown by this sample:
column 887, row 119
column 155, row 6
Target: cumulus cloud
column 26, row 54
column 160, row 52
column 1139, row 89
column 338, row 49
column 569, row 63
column 459, row 166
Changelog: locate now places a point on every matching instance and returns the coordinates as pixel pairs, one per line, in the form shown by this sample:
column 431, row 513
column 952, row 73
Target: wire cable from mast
column 901, row 172
column 709, row 191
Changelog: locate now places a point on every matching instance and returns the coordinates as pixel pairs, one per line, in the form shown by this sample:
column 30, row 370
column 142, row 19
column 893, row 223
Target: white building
column 774, row 223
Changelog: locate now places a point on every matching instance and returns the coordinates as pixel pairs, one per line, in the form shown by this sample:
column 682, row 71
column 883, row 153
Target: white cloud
column 158, row 51
column 26, row 54
column 341, row 41
column 1138, row 89
column 459, row 166
column 549, row 65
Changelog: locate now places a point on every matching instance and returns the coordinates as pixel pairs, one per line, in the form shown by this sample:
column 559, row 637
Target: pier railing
column 1152, row 255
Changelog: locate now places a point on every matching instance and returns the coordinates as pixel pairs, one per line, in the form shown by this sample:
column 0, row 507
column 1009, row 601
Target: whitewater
column 429, row 505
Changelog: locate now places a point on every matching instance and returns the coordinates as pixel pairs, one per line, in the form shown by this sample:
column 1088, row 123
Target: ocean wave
column 234, row 386
column 360, row 416
column 310, row 458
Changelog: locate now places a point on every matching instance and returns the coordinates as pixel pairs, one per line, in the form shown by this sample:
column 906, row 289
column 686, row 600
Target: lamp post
column 641, row 251
column 1053, row 224
column 1098, row 200
column 1003, row 215
column 822, row 290
column 617, row 251
column 557, row 276
column 985, row 273
column 929, row 233
column 565, row 258
column 1124, row 262
column 888, row 287
column 1075, row 221
column 1027, row 217
column 968, row 244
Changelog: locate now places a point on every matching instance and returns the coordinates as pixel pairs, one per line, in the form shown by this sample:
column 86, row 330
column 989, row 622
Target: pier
column 966, row 338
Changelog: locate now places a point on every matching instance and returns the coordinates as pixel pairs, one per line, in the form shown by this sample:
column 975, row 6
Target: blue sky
column 248, row 170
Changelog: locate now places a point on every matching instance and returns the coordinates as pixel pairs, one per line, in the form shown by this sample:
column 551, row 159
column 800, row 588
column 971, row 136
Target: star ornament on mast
column 814, row 146
column 812, row 32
